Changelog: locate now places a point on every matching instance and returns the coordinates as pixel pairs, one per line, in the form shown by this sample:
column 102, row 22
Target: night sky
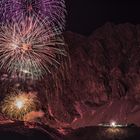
column 84, row 16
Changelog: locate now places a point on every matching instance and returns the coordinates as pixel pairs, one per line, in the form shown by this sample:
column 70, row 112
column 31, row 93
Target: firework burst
column 17, row 104
column 48, row 12
column 28, row 50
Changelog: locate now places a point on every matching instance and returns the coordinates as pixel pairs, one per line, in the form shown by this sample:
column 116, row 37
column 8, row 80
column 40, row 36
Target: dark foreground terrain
column 105, row 133
column 18, row 131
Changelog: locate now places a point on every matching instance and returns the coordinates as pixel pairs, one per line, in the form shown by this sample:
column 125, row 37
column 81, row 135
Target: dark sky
column 84, row 16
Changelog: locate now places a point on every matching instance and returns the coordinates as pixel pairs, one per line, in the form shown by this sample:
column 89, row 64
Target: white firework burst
column 27, row 50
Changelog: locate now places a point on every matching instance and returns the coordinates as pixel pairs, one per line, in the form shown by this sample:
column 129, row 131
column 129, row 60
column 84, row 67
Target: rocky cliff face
column 105, row 77
column 104, row 80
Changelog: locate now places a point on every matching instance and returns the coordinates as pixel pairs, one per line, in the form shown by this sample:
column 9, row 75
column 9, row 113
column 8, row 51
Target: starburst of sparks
column 31, row 48
column 49, row 12
column 27, row 50
column 17, row 104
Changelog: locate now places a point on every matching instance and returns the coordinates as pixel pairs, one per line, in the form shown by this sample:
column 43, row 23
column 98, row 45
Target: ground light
column 113, row 124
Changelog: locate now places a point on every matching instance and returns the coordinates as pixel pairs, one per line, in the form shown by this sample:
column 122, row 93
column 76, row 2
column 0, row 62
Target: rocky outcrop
column 103, row 83
column 105, row 77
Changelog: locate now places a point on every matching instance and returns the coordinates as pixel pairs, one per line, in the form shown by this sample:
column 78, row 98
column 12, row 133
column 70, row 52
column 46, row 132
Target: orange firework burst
column 16, row 105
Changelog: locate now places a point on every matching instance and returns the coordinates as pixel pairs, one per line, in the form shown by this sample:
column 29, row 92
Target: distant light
column 19, row 104
column 113, row 124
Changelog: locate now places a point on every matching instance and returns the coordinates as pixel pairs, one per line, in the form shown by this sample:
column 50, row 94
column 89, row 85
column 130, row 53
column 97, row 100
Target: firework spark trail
column 49, row 12
column 18, row 103
column 27, row 49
